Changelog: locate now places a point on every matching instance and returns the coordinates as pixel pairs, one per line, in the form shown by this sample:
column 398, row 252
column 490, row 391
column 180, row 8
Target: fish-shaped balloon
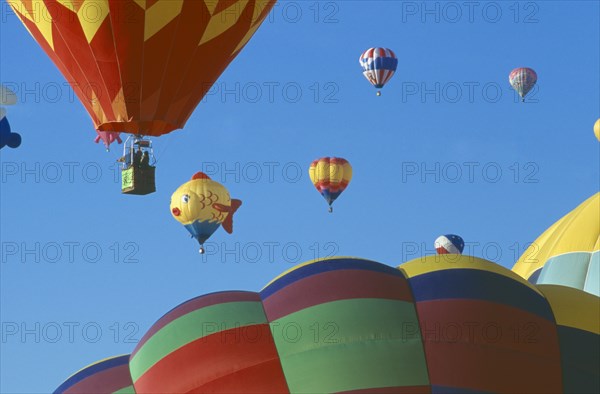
column 202, row 205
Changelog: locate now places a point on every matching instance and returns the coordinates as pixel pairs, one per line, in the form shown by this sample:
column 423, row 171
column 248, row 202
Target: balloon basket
column 138, row 181
column 378, row 93
column 201, row 250
column 330, row 209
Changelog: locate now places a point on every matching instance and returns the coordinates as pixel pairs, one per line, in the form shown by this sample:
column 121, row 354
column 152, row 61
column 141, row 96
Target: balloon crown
column 200, row 175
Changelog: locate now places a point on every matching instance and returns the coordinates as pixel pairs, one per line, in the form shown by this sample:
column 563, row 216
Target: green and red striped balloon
column 438, row 324
column 108, row 376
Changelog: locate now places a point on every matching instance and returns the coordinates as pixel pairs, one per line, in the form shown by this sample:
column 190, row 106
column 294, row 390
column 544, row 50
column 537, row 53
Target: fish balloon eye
column 185, row 198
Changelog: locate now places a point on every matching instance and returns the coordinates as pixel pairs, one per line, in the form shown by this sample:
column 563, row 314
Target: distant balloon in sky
column 331, row 176
column 522, row 79
column 202, row 205
column 449, row 244
column 7, row 96
column 379, row 66
column 597, row 129
column 7, row 137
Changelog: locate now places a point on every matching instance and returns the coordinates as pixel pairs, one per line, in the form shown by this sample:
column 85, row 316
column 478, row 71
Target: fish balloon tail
column 228, row 222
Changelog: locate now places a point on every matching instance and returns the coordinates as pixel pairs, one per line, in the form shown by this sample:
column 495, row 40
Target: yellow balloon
column 597, row 129
column 202, row 205
column 331, row 176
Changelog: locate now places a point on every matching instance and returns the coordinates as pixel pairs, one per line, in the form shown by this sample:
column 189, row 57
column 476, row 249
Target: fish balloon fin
column 228, row 223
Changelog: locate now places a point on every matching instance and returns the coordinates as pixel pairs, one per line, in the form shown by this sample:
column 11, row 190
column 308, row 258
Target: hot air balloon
column 379, row 66
column 449, row 244
column 141, row 66
column 7, row 96
column 486, row 329
column 217, row 343
column 202, row 205
column 331, row 176
column 522, row 80
column 7, row 137
column 597, row 129
column 436, row 324
column 568, row 252
column 108, row 376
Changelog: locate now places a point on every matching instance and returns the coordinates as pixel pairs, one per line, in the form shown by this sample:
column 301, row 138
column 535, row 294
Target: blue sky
column 86, row 271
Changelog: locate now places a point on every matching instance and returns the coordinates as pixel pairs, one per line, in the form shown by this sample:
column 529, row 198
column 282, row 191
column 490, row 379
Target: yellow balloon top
column 597, row 129
column 578, row 231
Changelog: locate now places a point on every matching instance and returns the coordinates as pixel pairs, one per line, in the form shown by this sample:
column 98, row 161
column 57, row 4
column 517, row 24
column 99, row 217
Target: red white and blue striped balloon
column 379, row 65
column 522, row 79
column 449, row 244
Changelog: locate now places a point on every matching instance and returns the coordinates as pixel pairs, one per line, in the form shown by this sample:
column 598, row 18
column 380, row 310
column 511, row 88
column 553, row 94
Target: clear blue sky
column 389, row 213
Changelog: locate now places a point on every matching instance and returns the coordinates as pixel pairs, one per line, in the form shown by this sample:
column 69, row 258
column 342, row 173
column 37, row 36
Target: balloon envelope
column 14, row 140
column 522, row 79
column 437, row 324
column 8, row 138
column 330, row 176
column 568, row 252
column 141, row 66
column 217, row 343
column 597, row 129
column 449, row 244
column 202, row 206
column 379, row 65
column 107, row 376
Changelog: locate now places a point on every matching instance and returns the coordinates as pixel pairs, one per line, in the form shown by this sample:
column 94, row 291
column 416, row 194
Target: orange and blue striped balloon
column 331, row 176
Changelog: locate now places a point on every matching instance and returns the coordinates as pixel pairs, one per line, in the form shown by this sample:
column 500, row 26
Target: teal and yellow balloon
column 331, row 176
column 202, row 205
column 568, row 252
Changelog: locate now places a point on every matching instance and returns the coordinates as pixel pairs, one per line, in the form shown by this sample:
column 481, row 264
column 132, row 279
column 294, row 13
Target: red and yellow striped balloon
column 141, row 66
column 331, row 176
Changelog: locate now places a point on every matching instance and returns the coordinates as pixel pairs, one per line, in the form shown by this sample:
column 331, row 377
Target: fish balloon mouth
column 176, row 211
